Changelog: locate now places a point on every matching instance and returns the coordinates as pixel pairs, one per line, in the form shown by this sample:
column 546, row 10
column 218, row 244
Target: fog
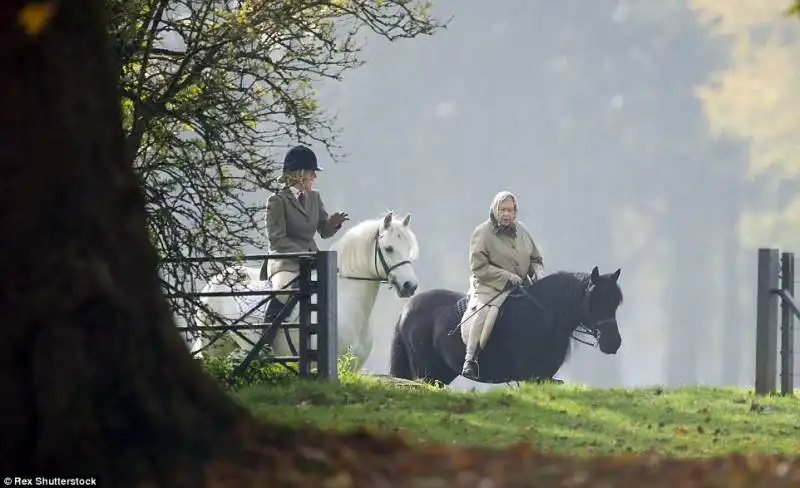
column 637, row 135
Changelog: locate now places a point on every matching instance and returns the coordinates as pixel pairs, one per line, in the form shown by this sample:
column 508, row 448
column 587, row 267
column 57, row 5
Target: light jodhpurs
column 479, row 326
column 281, row 280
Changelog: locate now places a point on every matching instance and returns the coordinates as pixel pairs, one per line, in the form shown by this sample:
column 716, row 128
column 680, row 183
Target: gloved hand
column 513, row 280
column 337, row 219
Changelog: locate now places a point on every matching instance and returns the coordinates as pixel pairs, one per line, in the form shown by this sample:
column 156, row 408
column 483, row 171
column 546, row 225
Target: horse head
column 396, row 249
column 603, row 297
column 381, row 249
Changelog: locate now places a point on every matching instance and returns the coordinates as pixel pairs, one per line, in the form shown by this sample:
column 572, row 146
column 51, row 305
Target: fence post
column 766, row 322
column 787, row 325
column 327, row 310
column 304, row 306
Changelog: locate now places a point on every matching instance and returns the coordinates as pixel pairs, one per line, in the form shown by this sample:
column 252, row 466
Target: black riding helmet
column 300, row 158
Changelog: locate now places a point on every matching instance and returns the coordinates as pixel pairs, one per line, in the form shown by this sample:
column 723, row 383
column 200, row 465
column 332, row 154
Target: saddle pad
column 453, row 314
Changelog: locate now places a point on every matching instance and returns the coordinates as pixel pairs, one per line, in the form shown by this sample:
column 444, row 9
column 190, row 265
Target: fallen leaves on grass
column 461, row 407
column 680, row 430
column 311, row 457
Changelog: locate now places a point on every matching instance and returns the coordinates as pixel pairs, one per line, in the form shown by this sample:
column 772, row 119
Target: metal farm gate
column 316, row 300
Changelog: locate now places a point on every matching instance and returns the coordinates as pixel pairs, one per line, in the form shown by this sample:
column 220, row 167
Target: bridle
column 378, row 258
column 593, row 331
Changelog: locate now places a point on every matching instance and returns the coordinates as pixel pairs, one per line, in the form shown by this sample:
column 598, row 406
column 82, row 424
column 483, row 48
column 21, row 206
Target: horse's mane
column 562, row 286
column 355, row 248
column 559, row 286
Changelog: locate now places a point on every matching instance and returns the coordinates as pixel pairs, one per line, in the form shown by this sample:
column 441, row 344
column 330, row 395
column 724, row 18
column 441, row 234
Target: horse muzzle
column 608, row 337
column 606, row 348
column 405, row 288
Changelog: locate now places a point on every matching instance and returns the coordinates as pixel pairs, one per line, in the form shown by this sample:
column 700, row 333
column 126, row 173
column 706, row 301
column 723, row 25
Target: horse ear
column 595, row 274
column 406, row 220
column 615, row 276
column 387, row 220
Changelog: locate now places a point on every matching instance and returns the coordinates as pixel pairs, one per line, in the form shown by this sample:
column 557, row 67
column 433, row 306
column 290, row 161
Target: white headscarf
column 494, row 208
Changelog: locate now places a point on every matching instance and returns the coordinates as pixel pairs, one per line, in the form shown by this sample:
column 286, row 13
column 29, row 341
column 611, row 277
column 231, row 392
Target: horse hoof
column 554, row 381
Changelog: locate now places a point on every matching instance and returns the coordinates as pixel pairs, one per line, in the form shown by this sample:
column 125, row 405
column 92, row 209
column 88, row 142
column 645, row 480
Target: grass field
column 556, row 418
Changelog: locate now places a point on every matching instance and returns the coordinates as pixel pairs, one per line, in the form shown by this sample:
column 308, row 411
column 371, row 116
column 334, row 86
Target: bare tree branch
column 212, row 88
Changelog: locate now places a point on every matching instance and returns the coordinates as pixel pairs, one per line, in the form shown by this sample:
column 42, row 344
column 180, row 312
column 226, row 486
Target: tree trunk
column 96, row 379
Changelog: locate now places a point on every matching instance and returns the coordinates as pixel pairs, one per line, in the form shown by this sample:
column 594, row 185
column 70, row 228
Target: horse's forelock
column 554, row 289
column 565, row 281
column 611, row 288
column 405, row 232
column 614, row 294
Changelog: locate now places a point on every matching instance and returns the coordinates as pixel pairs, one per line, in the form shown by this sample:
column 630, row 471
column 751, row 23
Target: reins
column 581, row 329
column 458, row 325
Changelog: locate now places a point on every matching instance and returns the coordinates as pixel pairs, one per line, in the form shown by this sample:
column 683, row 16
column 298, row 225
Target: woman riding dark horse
column 531, row 337
column 501, row 255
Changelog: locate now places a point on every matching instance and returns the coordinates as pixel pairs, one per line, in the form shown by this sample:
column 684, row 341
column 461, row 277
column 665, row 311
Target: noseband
column 378, row 257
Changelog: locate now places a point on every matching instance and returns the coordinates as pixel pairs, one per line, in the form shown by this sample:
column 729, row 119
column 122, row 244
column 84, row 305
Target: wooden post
column 787, row 325
column 327, row 302
column 766, row 322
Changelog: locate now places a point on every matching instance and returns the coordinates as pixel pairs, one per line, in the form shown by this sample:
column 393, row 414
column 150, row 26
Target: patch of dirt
column 314, row 458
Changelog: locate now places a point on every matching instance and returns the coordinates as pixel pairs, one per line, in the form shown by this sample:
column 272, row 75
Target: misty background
column 656, row 137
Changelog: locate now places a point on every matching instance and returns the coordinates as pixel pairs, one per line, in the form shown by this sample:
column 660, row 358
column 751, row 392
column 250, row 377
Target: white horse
column 368, row 254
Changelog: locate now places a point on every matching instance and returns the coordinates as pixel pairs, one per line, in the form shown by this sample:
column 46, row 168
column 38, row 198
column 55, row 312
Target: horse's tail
column 400, row 362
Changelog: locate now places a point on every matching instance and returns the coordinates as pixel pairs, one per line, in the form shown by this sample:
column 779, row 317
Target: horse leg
column 355, row 343
column 440, row 377
column 543, row 380
column 197, row 344
column 434, row 382
column 401, row 365
column 436, row 370
column 399, row 359
column 360, row 351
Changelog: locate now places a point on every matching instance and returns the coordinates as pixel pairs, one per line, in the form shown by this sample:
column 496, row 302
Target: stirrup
column 471, row 364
